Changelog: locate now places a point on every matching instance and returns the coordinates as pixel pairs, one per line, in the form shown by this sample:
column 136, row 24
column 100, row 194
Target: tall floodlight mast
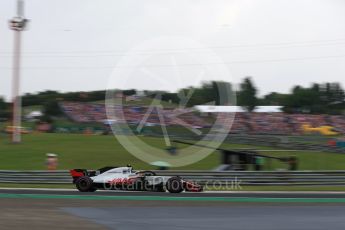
column 17, row 24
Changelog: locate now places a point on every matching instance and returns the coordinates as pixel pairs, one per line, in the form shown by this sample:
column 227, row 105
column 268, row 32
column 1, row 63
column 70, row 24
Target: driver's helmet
column 130, row 167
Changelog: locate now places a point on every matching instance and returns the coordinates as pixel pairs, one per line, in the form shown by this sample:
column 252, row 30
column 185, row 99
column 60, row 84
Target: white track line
column 209, row 192
column 276, row 192
column 41, row 189
column 60, row 190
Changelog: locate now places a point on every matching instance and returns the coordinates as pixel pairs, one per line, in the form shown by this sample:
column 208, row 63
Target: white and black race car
column 124, row 178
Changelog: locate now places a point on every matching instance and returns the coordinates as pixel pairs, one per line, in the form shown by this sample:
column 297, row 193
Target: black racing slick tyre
column 174, row 185
column 85, row 184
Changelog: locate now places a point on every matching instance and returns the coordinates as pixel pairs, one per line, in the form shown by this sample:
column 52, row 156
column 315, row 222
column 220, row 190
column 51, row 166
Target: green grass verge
column 81, row 151
column 76, row 151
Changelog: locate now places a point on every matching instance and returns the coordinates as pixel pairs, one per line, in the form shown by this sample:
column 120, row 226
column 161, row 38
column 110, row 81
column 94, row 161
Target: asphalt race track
column 209, row 194
column 69, row 209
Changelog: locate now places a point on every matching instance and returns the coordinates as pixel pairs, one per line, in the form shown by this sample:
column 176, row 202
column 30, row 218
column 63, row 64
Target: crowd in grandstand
column 251, row 123
column 282, row 123
column 84, row 112
column 91, row 112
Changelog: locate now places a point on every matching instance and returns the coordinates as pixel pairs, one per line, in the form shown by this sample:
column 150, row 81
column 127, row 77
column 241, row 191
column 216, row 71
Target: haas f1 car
column 124, row 178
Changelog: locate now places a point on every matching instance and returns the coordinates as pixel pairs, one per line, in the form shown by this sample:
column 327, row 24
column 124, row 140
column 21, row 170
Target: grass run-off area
column 92, row 152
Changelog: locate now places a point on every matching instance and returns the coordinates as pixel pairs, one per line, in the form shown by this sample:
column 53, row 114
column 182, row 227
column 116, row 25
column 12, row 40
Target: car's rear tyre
column 85, row 184
column 174, row 185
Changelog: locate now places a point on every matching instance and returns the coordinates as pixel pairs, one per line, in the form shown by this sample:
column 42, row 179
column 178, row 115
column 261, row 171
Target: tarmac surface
column 69, row 209
column 233, row 194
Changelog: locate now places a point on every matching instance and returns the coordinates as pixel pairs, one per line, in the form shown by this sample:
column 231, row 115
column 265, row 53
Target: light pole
column 17, row 24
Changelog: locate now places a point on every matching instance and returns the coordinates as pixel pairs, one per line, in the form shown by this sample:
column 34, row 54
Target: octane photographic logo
column 152, row 66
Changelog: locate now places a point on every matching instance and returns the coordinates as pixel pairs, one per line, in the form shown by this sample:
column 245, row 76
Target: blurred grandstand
column 244, row 123
column 92, row 112
column 318, row 109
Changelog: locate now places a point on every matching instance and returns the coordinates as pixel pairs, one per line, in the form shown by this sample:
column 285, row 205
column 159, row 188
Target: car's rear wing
column 85, row 172
column 76, row 173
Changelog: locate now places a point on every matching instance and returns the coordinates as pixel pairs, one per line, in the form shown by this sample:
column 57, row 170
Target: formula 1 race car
column 124, row 178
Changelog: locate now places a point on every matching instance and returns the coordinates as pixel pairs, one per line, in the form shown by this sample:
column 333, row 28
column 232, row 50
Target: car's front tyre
column 175, row 185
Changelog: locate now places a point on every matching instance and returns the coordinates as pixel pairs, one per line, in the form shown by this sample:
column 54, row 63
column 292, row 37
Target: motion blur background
column 285, row 62
column 83, row 71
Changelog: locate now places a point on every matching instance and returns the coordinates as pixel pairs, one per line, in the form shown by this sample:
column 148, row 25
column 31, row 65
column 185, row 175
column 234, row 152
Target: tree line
column 325, row 98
